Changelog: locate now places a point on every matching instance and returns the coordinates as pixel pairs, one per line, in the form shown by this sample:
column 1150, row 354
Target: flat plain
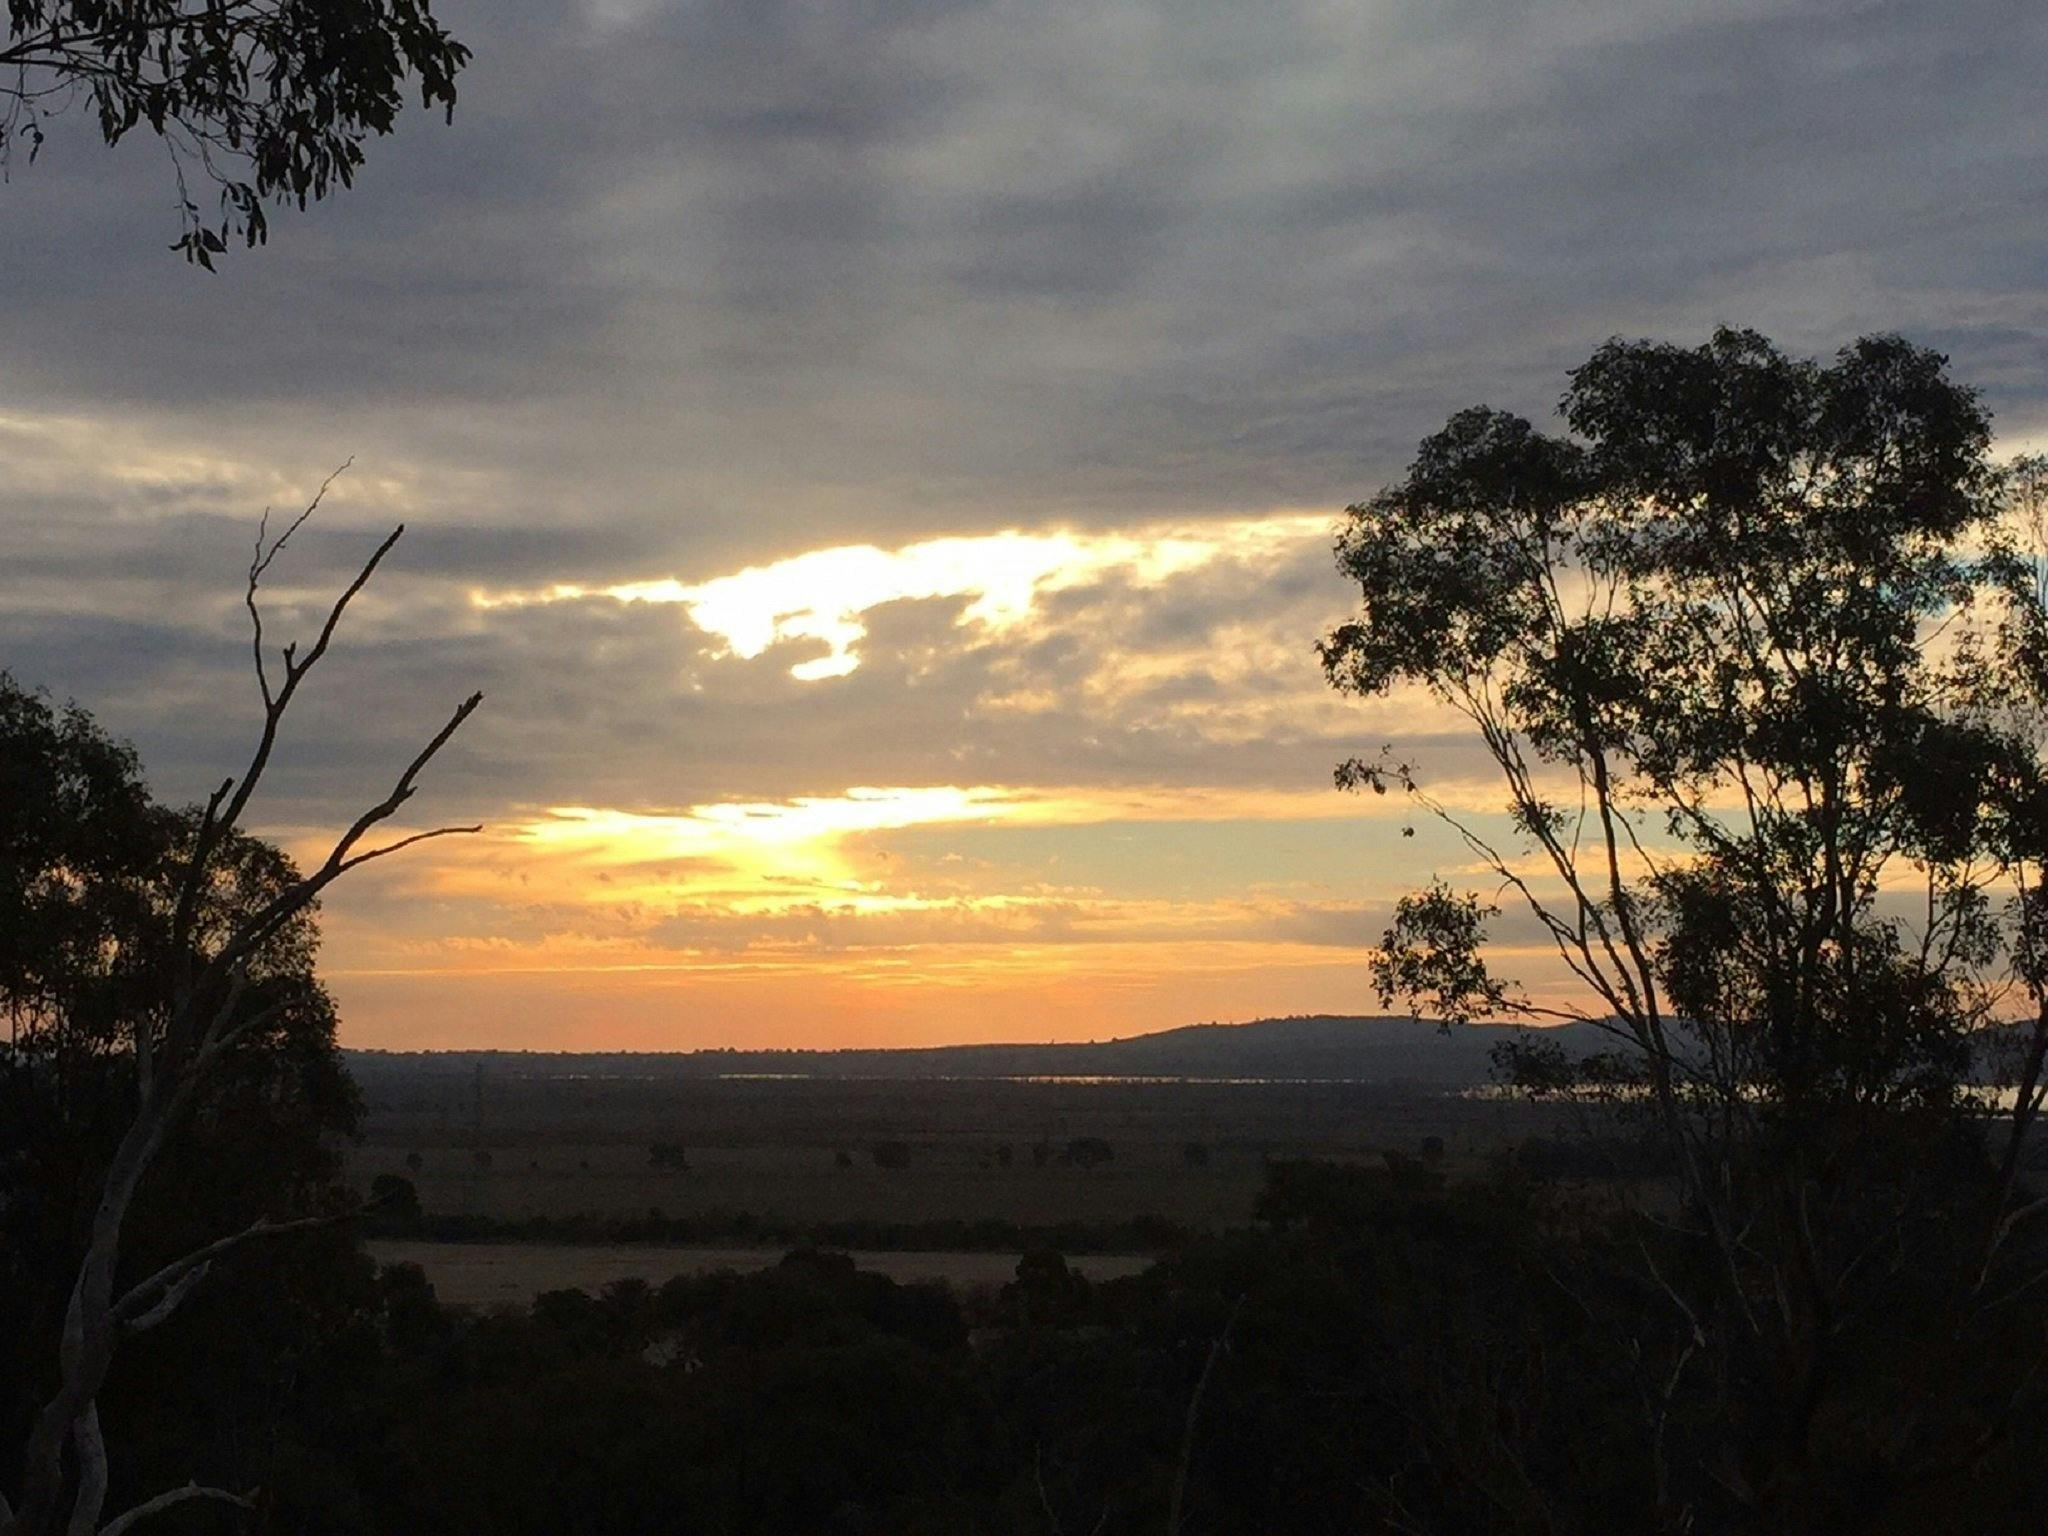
column 804, row 1150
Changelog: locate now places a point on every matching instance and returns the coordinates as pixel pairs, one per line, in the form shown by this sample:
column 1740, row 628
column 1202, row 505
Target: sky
column 880, row 463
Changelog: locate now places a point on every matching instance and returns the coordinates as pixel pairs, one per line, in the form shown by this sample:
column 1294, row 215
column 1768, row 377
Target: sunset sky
column 880, row 462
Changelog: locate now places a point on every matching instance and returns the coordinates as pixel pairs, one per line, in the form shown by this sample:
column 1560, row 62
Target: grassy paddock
column 556, row 1147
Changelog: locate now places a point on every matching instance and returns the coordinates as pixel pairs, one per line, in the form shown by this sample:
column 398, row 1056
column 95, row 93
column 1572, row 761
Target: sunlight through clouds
column 824, row 594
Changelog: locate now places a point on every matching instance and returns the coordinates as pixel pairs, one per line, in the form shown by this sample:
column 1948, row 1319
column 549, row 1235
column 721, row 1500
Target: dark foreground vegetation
column 1760, row 653
column 1375, row 1354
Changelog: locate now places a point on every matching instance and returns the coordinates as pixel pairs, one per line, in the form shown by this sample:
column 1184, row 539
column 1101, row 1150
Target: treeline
column 1139, row 1234
column 1377, row 1354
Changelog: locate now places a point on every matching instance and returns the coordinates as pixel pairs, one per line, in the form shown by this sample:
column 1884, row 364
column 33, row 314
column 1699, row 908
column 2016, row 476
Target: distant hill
column 1382, row 1050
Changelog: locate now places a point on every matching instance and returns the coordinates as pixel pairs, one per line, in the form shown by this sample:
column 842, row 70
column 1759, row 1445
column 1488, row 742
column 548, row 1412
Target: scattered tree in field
column 414, row 1162
column 669, row 1156
column 1194, row 1154
column 1047, row 1293
column 1411, row 1174
column 1760, row 659
column 395, row 1202
column 169, row 981
column 269, row 100
column 1087, row 1152
column 892, row 1154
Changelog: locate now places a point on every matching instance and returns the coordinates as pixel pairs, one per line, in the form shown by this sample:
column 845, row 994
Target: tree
column 168, row 983
column 1754, row 652
column 270, row 100
column 89, row 868
column 1088, row 1152
column 397, row 1200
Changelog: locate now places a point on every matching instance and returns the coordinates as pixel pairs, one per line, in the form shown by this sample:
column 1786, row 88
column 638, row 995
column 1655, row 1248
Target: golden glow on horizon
column 824, row 594
column 756, row 858
column 812, row 921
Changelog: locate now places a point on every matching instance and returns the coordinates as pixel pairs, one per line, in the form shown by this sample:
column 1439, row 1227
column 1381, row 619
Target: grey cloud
column 929, row 266
column 688, row 286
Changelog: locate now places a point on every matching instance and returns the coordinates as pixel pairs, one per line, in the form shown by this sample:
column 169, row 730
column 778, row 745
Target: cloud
column 825, row 594
column 937, row 393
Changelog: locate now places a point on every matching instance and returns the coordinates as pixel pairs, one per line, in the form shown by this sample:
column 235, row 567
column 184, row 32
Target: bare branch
column 1217, row 1346
column 407, row 842
column 173, row 1298
column 295, row 671
column 402, row 791
column 142, row 1300
column 280, row 911
column 171, row 1499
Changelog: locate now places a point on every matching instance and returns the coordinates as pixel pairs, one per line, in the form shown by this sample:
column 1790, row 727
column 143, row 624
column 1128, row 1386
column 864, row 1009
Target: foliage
column 671, row 1156
column 89, row 871
column 271, row 100
column 1475, row 1360
column 1755, row 653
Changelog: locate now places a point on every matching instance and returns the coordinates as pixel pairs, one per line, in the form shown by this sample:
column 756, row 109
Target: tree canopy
column 1755, row 651
column 1752, row 646
column 271, row 101
column 90, row 865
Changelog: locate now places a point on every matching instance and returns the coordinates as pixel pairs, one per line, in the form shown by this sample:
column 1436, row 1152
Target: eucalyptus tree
column 267, row 100
column 1753, row 651
column 160, row 958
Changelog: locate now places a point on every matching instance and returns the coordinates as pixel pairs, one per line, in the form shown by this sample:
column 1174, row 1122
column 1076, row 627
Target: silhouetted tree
column 1754, row 647
column 271, row 100
column 396, row 1202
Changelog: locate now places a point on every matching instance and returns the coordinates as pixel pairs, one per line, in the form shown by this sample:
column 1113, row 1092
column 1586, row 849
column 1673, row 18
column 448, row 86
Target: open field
column 486, row 1275
column 801, row 1151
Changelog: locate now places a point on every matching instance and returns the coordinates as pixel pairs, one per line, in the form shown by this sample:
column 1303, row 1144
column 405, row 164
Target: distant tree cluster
column 1087, row 1152
column 668, row 1156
